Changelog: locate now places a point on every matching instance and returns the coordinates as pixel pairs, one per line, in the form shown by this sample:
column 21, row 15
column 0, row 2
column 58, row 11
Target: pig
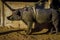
column 32, row 14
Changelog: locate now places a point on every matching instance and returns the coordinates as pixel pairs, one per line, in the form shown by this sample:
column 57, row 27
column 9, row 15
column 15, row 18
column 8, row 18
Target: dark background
column 22, row 0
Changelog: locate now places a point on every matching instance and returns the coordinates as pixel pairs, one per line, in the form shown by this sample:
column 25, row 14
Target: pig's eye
column 19, row 13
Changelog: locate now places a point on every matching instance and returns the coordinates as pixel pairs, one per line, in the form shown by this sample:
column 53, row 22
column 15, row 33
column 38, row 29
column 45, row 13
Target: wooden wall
column 16, row 5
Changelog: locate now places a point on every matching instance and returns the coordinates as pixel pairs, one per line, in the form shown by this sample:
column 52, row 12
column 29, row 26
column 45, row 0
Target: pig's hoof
column 28, row 32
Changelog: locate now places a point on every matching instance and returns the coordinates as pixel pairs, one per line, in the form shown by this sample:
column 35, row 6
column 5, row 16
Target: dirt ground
column 16, row 34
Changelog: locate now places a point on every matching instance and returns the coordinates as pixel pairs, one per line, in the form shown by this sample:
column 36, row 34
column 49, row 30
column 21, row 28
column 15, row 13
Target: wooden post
column 47, row 4
column 3, row 13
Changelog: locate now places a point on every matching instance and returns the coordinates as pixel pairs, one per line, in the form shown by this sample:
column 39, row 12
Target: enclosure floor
column 19, row 35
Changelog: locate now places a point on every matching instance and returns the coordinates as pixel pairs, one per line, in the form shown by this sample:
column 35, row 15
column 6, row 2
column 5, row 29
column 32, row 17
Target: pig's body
column 40, row 16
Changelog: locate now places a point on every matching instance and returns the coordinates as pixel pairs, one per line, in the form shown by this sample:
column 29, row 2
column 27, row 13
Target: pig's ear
column 15, row 11
column 21, row 10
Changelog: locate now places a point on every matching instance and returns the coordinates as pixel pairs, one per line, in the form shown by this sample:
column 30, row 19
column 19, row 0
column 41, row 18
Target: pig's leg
column 29, row 28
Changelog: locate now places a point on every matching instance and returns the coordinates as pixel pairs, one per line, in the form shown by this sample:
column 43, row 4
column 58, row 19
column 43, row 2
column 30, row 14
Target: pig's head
column 16, row 15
